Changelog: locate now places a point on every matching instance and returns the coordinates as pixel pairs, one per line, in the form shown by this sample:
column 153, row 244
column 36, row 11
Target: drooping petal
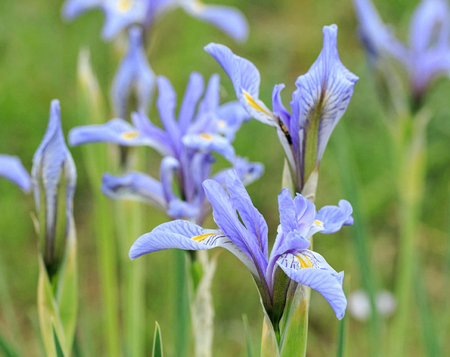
column 250, row 216
column 12, row 169
column 185, row 235
column 311, row 269
column 134, row 72
column 228, row 19
column 179, row 209
column 322, row 96
column 191, row 97
column 230, row 118
column 134, row 186
column 120, row 14
column 334, row 217
column 246, row 80
column 150, row 130
column 116, row 131
column 210, row 143
column 74, row 8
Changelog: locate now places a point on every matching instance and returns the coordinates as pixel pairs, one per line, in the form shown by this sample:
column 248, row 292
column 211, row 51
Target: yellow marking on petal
column 130, row 135
column 304, row 261
column 319, row 223
column 206, row 136
column 252, row 102
column 222, row 124
column 202, row 237
column 198, row 6
column 124, row 5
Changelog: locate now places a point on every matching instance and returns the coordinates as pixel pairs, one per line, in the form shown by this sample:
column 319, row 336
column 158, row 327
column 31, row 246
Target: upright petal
column 169, row 165
column 134, row 72
column 247, row 171
column 74, row 8
column 250, row 216
column 120, row 14
column 191, row 97
column 230, row 116
column 246, row 80
column 54, row 172
column 185, row 235
column 228, row 19
column 334, row 217
column 288, row 217
column 321, row 98
column 278, row 106
column 134, row 186
column 311, row 269
column 12, row 169
column 305, row 212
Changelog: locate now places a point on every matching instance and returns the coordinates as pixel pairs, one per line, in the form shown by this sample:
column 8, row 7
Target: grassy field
column 38, row 63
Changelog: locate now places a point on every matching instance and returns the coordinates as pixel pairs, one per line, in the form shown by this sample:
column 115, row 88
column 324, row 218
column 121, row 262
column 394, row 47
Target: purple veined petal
column 250, row 216
column 134, row 186
column 310, row 269
column 227, row 19
column 182, row 234
column 248, row 172
column 120, row 14
column 305, row 212
column 74, row 8
column 150, row 130
column 285, row 242
column 166, row 104
column 226, row 218
column 51, row 161
column 430, row 26
column 288, row 217
column 201, row 165
column 134, row 72
column 230, row 118
column 11, row 168
column 169, row 165
column 246, row 80
column 194, row 91
column 210, row 143
column 375, row 35
column 179, row 209
column 278, row 106
column 116, row 131
column 324, row 92
column 334, row 217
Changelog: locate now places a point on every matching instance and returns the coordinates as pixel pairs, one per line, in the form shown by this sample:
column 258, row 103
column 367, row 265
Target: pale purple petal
column 12, row 169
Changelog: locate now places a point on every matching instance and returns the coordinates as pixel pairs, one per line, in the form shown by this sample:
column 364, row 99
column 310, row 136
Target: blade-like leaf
column 59, row 352
column 269, row 345
column 248, row 336
column 49, row 318
column 157, row 342
column 5, row 349
column 343, row 327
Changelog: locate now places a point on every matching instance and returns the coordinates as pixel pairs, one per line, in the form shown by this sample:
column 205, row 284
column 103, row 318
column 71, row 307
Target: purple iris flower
column 246, row 236
column 12, row 169
column 53, row 180
column 134, row 72
column 428, row 53
column 187, row 142
column 320, row 100
column 119, row 14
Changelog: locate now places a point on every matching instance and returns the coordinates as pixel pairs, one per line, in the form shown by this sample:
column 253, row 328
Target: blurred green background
column 38, row 56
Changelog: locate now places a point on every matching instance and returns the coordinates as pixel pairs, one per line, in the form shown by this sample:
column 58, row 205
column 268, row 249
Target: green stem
column 182, row 306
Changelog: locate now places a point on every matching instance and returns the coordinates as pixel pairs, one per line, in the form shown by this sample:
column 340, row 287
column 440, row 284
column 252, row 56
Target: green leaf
column 49, row 318
column 248, row 336
column 294, row 324
column 67, row 289
column 59, row 352
column 269, row 345
column 157, row 342
column 343, row 327
column 5, row 349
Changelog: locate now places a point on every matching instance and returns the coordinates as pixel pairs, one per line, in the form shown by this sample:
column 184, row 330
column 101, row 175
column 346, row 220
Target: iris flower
column 12, row 169
column 428, row 54
column 320, row 100
column 53, row 180
column 187, row 142
column 134, row 72
column 243, row 231
column 119, row 14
